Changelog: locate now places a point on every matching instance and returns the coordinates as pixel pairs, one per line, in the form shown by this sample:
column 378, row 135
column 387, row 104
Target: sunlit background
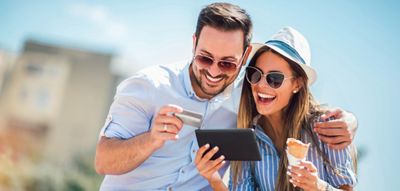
column 60, row 62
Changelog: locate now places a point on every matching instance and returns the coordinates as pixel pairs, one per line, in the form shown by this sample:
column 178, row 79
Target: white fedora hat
column 293, row 45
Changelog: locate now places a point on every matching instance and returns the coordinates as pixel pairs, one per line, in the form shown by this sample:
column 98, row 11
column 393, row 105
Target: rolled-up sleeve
column 131, row 112
column 245, row 179
column 343, row 172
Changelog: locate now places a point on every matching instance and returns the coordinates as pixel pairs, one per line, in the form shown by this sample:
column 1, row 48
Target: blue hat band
column 288, row 49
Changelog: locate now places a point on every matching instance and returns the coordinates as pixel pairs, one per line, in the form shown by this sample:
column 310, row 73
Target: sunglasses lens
column 275, row 79
column 253, row 75
column 204, row 60
column 226, row 66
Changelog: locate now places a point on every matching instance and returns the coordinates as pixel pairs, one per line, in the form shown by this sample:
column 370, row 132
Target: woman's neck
column 275, row 129
column 276, row 122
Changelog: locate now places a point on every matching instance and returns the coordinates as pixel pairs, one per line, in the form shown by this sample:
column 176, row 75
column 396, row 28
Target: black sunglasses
column 274, row 79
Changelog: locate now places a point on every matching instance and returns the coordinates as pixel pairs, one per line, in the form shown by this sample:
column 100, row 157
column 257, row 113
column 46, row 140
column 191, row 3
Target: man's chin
column 212, row 91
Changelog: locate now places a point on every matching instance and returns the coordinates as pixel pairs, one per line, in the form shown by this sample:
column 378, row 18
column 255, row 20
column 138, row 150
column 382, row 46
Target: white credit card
column 190, row 118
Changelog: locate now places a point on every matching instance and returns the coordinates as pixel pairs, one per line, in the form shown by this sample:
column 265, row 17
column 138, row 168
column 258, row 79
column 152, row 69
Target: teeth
column 265, row 96
column 213, row 79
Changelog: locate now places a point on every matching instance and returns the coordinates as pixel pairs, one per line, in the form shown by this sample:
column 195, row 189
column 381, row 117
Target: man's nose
column 214, row 70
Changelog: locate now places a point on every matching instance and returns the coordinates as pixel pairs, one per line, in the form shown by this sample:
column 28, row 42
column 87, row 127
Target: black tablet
column 234, row 144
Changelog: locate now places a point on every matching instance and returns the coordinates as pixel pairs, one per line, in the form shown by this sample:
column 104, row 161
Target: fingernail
column 288, row 173
column 207, row 145
column 223, row 162
column 222, row 157
column 299, row 175
column 289, row 167
column 176, row 136
column 215, row 148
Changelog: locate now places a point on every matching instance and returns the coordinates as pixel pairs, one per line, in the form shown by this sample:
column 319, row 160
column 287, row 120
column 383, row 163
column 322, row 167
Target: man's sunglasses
column 224, row 65
column 274, row 79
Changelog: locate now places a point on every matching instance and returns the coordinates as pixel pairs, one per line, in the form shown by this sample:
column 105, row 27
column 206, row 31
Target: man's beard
column 206, row 88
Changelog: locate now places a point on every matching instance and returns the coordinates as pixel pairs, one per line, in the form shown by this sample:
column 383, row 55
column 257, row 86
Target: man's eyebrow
column 223, row 58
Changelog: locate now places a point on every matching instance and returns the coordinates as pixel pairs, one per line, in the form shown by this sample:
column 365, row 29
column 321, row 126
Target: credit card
column 190, row 118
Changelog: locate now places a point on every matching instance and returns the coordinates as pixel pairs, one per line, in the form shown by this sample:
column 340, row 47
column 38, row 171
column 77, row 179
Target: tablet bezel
column 235, row 144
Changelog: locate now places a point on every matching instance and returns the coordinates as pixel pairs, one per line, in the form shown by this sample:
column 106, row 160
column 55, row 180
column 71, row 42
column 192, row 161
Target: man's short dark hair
column 226, row 17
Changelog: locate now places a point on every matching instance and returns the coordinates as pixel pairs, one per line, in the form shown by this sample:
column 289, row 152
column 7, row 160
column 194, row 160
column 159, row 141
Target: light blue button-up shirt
column 137, row 101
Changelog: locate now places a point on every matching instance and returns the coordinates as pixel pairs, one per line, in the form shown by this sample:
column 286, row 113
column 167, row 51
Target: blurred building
column 6, row 60
column 57, row 99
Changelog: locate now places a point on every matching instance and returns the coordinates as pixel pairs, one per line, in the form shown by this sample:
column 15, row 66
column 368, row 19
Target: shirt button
column 183, row 172
column 169, row 189
column 193, row 151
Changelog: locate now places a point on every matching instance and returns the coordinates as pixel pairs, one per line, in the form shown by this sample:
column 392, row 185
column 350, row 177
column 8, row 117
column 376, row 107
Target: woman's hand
column 305, row 176
column 209, row 168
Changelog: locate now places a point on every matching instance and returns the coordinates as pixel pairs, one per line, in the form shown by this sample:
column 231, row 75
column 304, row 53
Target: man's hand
column 339, row 132
column 165, row 125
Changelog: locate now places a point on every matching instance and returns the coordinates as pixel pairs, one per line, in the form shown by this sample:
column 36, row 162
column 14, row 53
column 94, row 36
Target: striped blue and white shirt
column 266, row 170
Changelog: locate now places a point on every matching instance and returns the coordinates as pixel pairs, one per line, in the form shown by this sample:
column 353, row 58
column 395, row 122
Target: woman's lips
column 265, row 98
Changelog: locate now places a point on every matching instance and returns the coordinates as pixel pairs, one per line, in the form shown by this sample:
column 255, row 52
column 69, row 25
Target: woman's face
column 269, row 100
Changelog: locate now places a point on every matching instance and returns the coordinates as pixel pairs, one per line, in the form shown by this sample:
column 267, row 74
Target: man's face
column 224, row 48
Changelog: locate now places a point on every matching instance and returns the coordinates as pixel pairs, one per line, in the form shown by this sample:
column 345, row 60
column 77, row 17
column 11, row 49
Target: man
column 143, row 147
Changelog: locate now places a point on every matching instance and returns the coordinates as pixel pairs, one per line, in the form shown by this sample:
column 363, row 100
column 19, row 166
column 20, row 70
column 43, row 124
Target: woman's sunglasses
column 274, row 79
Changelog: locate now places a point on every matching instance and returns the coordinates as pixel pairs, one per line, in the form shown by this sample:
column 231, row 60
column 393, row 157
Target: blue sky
column 354, row 48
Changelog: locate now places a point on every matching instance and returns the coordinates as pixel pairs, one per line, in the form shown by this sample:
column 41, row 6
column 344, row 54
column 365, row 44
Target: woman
column 276, row 101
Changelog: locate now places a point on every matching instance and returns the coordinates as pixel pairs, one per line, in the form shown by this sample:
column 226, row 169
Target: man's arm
column 338, row 133
column 118, row 156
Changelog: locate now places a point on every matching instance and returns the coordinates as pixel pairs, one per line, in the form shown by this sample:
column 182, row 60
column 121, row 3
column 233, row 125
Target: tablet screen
column 234, row 144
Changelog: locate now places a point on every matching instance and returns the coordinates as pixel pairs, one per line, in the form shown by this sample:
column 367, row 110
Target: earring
column 294, row 91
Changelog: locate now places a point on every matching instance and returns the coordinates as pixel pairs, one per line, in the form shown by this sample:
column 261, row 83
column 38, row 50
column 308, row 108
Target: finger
column 165, row 128
column 216, row 168
column 297, row 170
column 297, row 183
column 212, row 171
column 337, row 123
column 303, row 181
column 200, row 153
column 206, row 158
column 211, row 153
column 170, row 109
column 166, row 136
column 309, row 166
column 334, row 112
column 339, row 146
column 334, row 139
column 211, row 166
column 332, row 132
column 303, row 173
column 172, row 120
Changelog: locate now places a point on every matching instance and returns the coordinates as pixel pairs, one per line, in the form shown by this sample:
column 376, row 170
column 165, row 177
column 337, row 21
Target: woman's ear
column 297, row 85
